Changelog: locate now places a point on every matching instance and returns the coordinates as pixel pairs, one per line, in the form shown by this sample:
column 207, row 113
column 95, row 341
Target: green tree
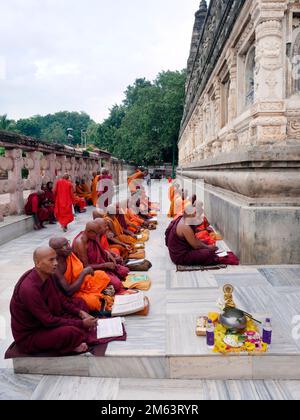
column 54, row 133
column 6, row 124
column 145, row 128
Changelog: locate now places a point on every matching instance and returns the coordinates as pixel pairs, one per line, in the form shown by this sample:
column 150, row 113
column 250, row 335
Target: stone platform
column 164, row 345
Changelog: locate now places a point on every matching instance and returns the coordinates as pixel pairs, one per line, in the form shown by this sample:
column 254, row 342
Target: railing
column 28, row 163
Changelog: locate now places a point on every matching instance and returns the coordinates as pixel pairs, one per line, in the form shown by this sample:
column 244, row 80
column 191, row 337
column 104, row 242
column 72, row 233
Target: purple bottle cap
column 268, row 320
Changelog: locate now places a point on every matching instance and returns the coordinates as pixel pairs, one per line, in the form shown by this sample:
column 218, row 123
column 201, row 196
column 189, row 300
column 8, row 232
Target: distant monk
column 95, row 194
column 120, row 232
column 135, row 180
column 106, row 186
column 83, row 191
column 43, row 319
column 74, row 279
column 87, row 248
column 64, row 199
column 184, row 248
column 35, row 207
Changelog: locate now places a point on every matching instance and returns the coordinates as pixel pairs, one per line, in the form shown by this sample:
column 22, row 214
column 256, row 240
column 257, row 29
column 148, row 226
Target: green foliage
column 53, row 127
column 6, row 124
column 2, row 151
column 145, row 128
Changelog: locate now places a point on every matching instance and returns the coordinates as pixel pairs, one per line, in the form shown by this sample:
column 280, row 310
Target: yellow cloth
column 139, row 282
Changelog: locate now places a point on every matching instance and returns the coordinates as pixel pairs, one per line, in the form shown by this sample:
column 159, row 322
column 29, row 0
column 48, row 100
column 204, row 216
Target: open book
column 110, row 328
column 128, row 304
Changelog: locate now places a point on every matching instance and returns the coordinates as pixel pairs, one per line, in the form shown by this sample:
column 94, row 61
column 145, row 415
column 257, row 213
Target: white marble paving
column 177, row 299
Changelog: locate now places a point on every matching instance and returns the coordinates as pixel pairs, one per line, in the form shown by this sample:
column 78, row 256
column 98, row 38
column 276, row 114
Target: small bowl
column 233, row 320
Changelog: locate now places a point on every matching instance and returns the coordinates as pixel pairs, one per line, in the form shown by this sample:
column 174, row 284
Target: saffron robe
column 182, row 253
column 64, row 199
column 92, row 286
column 95, row 194
column 120, row 232
column 83, row 191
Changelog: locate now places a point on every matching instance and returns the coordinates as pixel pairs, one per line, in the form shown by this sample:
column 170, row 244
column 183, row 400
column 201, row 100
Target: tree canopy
column 144, row 129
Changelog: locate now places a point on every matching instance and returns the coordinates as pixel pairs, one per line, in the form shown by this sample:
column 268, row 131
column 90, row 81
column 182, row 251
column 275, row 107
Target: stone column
column 16, row 182
column 33, row 164
column 232, row 101
column 270, row 124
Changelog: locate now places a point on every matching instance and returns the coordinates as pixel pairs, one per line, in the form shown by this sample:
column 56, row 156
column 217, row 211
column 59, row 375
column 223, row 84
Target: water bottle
column 210, row 334
column 267, row 332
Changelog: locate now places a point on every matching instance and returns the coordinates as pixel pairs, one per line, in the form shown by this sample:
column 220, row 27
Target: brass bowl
column 233, row 319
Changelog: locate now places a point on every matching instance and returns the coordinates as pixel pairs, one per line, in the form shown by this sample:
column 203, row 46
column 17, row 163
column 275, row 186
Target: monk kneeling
column 43, row 319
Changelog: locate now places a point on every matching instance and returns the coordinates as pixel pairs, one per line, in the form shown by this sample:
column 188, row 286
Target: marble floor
column 177, row 299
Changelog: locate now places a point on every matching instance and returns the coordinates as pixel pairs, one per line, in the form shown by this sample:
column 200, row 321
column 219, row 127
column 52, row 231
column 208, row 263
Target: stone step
column 214, row 367
column 15, row 226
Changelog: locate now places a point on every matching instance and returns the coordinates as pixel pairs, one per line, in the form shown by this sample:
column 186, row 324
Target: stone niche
column 240, row 130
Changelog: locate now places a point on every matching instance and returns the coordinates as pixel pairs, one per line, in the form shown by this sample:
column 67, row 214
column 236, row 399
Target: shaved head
column 99, row 214
column 91, row 226
column 42, row 252
column 57, row 243
column 45, row 261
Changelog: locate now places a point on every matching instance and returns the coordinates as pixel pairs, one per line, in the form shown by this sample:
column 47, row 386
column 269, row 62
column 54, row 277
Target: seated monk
column 113, row 242
column 75, row 280
column 135, row 181
column 36, row 207
column 95, row 194
column 173, row 195
column 86, row 247
column 183, row 247
column 120, row 232
column 43, row 319
column 49, row 202
column 83, row 191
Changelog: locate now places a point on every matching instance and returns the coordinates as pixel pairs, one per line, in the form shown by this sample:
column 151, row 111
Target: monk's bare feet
column 65, row 229
column 83, row 348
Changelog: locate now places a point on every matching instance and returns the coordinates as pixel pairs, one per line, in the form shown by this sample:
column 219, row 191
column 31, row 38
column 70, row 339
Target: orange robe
column 120, row 233
column 110, row 248
column 95, row 194
column 172, row 200
column 132, row 184
column 64, row 199
column 83, row 192
column 92, row 287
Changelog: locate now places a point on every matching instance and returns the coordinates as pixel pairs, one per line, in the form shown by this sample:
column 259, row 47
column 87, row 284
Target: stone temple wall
column 241, row 126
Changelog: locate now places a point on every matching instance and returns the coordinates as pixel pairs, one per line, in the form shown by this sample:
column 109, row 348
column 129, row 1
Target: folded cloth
column 143, row 266
column 138, row 282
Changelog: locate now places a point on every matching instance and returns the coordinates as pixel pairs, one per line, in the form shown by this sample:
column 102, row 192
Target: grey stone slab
column 276, row 367
column 190, row 280
column 17, row 387
column 129, row 367
column 75, row 388
column 282, row 277
column 241, row 279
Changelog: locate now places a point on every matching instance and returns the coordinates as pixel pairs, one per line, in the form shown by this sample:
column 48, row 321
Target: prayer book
column 110, row 328
column 128, row 304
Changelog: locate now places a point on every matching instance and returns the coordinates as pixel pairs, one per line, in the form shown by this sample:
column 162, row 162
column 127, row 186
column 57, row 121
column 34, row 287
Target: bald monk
column 42, row 318
column 114, row 243
column 122, row 235
column 87, row 248
column 183, row 247
column 74, row 279
column 35, row 207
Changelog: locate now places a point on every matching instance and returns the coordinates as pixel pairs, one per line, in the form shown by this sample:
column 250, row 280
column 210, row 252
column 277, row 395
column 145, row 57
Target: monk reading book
column 43, row 319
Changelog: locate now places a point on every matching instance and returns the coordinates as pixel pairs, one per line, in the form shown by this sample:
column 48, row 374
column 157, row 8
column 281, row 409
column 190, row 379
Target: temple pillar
column 16, row 182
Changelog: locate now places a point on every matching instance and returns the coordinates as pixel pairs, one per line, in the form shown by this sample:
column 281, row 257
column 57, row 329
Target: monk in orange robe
column 64, row 199
column 116, row 227
column 95, row 193
column 83, row 191
column 135, row 180
column 172, row 196
column 75, row 280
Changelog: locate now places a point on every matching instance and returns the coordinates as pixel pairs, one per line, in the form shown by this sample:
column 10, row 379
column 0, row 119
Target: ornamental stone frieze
column 28, row 164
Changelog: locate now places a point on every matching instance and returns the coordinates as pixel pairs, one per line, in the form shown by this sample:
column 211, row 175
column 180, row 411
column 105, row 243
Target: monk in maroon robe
column 183, row 246
column 87, row 248
column 35, row 206
column 42, row 318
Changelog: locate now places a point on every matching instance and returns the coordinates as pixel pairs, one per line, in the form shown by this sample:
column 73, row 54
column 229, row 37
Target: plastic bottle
column 210, row 333
column 267, row 332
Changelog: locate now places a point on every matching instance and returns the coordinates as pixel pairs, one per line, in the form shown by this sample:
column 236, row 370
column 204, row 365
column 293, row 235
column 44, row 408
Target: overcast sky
column 80, row 55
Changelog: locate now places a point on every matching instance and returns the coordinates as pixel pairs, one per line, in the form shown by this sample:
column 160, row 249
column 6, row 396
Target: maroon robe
column 43, row 319
column 96, row 256
column 34, row 206
column 182, row 253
